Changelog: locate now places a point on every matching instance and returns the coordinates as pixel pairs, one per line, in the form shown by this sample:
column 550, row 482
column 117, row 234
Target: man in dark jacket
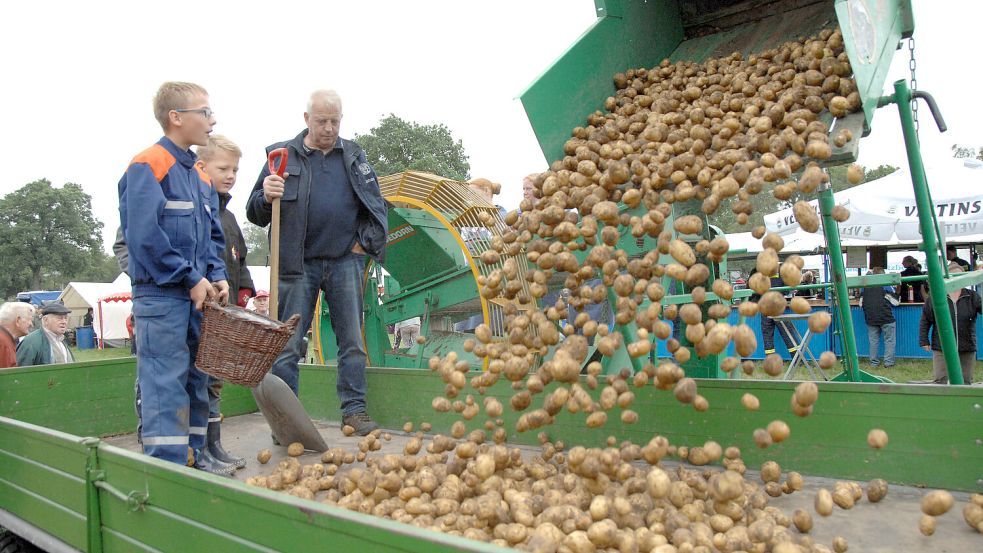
column 880, row 320
column 964, row 307
column 332, row 217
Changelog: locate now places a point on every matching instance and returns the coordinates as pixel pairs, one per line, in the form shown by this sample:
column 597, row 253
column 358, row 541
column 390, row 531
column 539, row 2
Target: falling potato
column 877, row 438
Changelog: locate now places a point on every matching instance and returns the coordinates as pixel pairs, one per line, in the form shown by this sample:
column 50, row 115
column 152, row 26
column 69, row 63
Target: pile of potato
column 716, row 132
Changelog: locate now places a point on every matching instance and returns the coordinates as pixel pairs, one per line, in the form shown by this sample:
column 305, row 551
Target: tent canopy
column 80, row 296
column 884, row 211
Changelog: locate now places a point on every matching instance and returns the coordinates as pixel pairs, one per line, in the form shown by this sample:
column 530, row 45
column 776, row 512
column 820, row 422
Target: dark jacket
column 235, row 251
column 373, row 222
column 877, row 310
column 963, row 314
column 35, row 349
column 905, row 286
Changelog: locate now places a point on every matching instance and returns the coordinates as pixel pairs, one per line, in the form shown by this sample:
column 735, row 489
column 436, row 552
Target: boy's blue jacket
column 170, row 218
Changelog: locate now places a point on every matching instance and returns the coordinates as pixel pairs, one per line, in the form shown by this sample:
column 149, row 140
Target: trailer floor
column 888, row 526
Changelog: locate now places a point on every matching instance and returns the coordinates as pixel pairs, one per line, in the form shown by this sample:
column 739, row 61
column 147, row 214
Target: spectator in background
column 46, row 345
column 964, row 307
column 16, row 320
column 529, row 187
column 87, row 319
column 261, row 303
column 911, row 292
column 953, row 257
column 808, row 277
column 407, row 332
column 876, row 302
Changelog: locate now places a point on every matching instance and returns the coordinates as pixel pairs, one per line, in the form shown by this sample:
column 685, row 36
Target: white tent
column 884, row 212
column 79, row 296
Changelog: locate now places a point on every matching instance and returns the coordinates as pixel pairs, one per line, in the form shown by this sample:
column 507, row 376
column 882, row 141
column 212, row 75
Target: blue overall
column 170, row 220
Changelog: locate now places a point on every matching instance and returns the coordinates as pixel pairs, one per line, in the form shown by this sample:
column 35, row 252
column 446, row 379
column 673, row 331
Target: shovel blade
column 287, row 418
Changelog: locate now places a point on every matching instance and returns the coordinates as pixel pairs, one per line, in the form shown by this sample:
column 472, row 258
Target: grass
column 96, row 354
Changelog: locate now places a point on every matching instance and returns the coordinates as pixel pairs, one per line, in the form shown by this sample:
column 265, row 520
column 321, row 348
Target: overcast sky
column 79, row 77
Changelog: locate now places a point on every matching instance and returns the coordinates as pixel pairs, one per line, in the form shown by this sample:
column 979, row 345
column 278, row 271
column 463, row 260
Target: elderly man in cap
column 261, row 303
column 46, row 345
column 16, row 319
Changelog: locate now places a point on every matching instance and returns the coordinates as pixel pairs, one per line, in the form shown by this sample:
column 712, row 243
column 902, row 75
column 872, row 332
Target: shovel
column 280, row 407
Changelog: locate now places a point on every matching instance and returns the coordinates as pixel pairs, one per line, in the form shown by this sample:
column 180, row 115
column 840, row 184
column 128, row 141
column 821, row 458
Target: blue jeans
column 341, row 281
column 173, row 396
column 874, row 332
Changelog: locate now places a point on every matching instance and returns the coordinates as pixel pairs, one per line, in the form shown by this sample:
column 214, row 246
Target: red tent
column 122, row 296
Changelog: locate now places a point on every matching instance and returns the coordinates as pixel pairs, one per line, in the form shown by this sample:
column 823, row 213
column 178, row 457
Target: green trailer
column 65, row 487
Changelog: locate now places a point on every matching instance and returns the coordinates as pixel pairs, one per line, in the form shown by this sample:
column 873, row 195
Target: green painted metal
column 933, row 429
column 181, row 509
column 840, row 293
column 627, row 34
column 930, row 238
column 871, row 41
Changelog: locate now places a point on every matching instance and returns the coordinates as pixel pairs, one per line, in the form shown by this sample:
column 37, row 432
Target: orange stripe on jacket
column 204, row 176
column 159, row 160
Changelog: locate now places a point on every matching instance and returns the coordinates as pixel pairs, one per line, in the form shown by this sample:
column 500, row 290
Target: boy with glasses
column 170, row 218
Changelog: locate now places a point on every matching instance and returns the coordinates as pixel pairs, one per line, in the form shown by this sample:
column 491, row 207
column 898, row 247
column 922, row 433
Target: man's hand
column 927, row 348
column 273, row 187
column 203, row 291
column 357, row 248
column 222, row 291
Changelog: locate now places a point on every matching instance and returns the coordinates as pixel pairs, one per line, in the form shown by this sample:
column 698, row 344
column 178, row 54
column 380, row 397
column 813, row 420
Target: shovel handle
column 278, row 161
column 278, row 164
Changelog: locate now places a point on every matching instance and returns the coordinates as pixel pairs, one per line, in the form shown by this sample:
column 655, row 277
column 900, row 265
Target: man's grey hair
column 325, row 96
column 13, row 309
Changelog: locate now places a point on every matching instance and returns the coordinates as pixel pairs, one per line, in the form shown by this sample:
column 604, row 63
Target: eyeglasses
column 205, row 112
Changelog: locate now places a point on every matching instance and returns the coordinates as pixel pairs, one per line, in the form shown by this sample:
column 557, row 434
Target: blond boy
column 170, row 221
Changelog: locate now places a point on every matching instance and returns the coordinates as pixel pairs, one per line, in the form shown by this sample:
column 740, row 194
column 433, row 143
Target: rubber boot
column 207, row 463
column 213, row 443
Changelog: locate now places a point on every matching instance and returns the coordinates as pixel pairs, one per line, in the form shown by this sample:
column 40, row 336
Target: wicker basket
column 239, row 345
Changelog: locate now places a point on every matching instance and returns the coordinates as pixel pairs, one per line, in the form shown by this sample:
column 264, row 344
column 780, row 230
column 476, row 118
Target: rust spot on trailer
column 309, row 513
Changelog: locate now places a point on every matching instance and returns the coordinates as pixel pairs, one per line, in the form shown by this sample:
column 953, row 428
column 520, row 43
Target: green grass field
column 906, row 370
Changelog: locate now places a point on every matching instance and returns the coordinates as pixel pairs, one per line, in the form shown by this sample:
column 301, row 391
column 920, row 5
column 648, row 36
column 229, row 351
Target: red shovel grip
column 278, row 161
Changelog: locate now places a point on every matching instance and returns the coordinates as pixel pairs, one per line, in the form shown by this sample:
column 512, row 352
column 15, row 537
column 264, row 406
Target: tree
column 46, row 232
column 397, row 145
column 967, row 151
column 258, row 245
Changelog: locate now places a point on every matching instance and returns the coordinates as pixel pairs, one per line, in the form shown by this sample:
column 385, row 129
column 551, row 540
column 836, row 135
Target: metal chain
column 914, row 81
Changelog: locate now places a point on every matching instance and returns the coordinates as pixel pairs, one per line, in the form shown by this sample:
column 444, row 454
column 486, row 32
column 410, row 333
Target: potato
column 772, row 304
column 839, row 544
column 791, row 274
column 800, row 305
column 937, row 503
column 723, row 289
column 926, row 525
column 843, row 497
column 840, row 214
column 778, row 430
column 819, row 322
column 761, row 438
column 773, row 364
column 767, row 262
column 264, row 456
column 745, row 342
column 685, row 390
column 806, row 216
column 806, row 393
column 770, row 472
column 750, row 402
column 802, row 520
column 681, row 252
column 347, row 430
column 824, row 502
column 295, row 449
column 688, row 224
column 973, row 515
column 827, row 360
column 854, row 174
column 877, row 438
